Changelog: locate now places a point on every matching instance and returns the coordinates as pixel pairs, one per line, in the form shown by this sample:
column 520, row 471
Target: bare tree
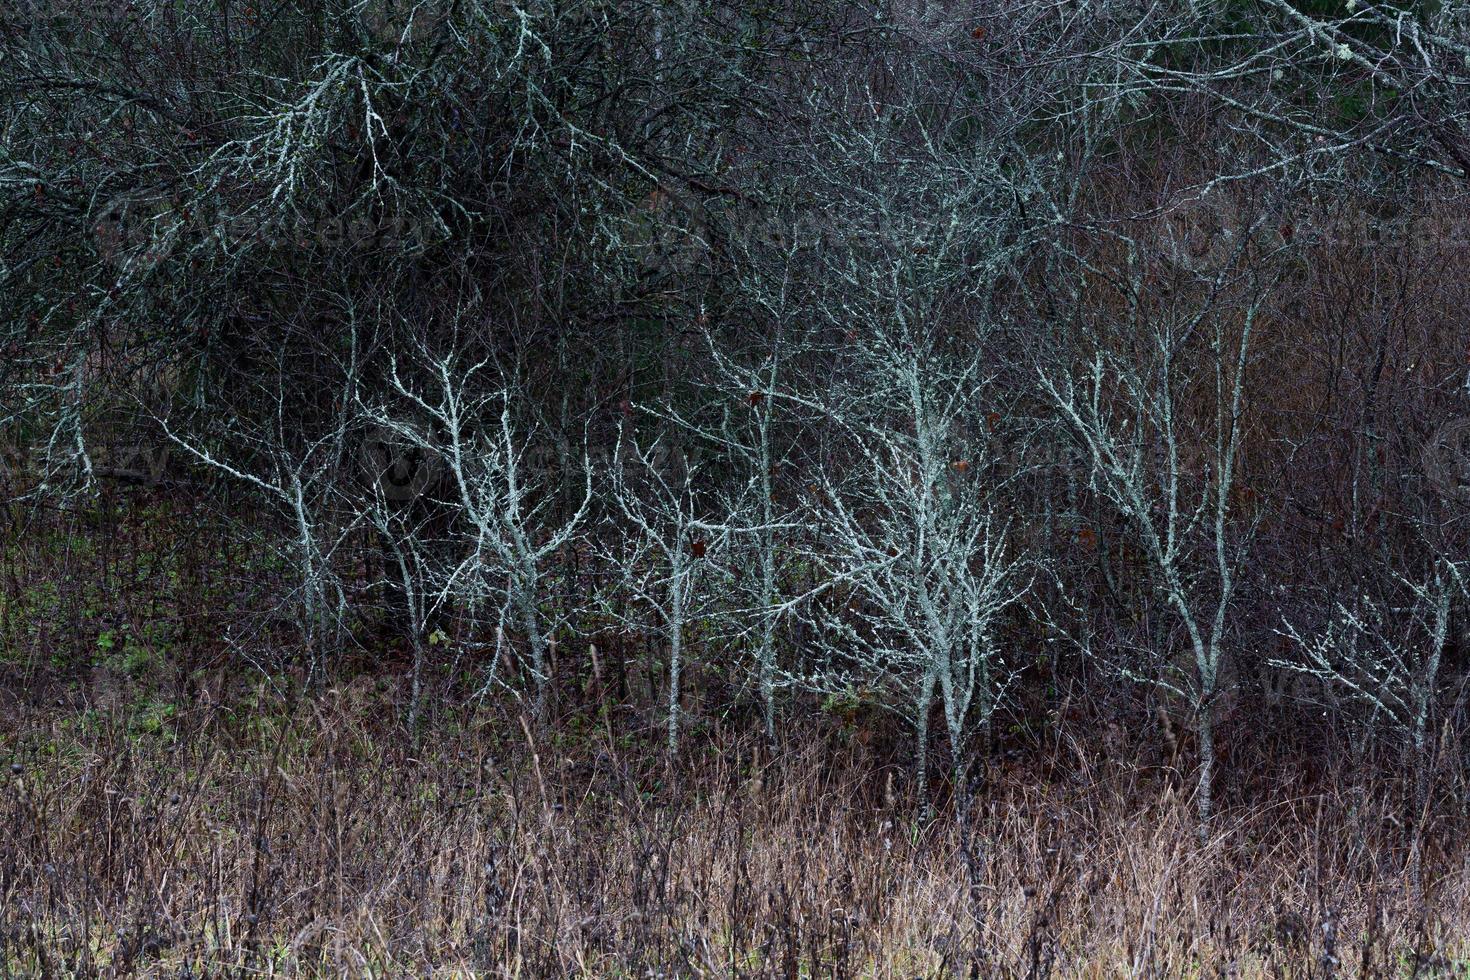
column 747, row 425
column 1385, row 658
column 1159, row 409
column 671, row 546
column 300, row 479
column 911, row 532
column 511, row 533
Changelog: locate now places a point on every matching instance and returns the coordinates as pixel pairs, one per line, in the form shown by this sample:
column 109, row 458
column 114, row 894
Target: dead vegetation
column 308, row 835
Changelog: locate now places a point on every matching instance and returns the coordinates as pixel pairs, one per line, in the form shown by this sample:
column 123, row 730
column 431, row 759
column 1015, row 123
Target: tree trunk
column 768, row 672
column 537, row 644
column 1206, row 767
column 921, row 725
column 675, row 652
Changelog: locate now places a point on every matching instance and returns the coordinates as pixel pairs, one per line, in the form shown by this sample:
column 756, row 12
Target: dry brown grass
column 315, row 839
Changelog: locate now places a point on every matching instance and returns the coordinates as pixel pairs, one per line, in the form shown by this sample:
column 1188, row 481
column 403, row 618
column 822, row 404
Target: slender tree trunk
column 676, row 643
column 676, row 654
column 768, row 680
column 768, row 641
column 768, row 580
column 416, row 692
column 921, row 725
column 1206, row 766
column 972, row 850
column 537, row 643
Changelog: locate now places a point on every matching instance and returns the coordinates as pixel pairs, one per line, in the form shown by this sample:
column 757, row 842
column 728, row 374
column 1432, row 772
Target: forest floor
column 249, row 832
column 172, row 804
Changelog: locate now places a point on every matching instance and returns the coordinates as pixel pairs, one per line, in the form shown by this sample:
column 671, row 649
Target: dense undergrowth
column 251, row 833
column 171, row 809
